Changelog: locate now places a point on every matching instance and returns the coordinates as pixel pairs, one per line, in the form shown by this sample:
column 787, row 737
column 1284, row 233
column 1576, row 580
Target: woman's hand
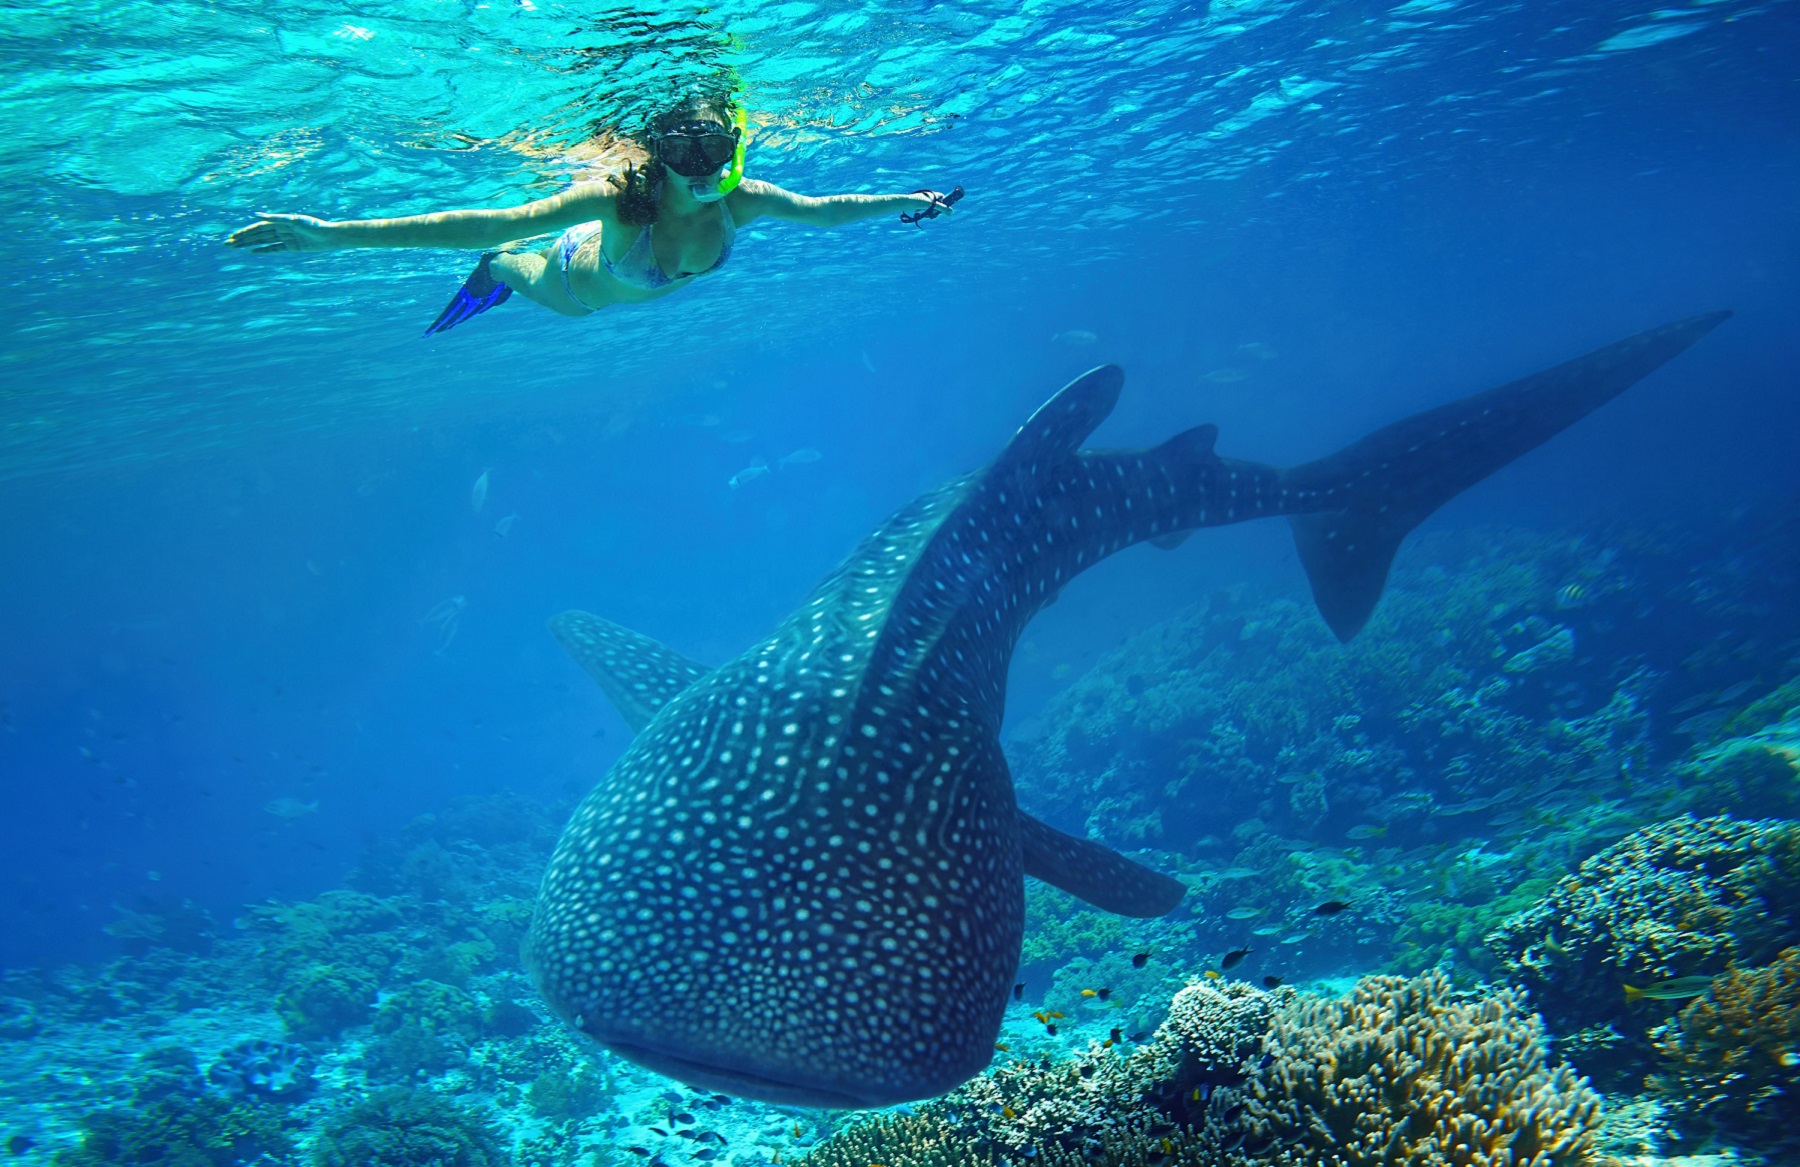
column 286, row 233
column 935, row 203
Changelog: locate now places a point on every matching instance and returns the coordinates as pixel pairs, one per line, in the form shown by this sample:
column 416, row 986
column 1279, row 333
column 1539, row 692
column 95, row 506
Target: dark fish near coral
column 827, row 824
column 1272, row 982
column 1679, row 989
column 1235, row 957
column 1331, row 907
column 1019, row 991
column 1140, row 960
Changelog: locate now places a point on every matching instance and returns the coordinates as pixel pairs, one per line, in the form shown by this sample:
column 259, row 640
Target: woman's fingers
column 272, row 232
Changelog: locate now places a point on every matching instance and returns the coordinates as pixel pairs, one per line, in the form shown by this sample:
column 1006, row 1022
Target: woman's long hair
column 632, row 157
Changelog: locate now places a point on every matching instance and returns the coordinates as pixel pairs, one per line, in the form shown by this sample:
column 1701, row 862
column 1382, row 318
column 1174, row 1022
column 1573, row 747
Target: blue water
column 234, row 489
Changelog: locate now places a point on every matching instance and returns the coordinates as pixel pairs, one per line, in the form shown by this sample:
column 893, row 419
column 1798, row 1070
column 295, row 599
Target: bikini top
column 638, row 266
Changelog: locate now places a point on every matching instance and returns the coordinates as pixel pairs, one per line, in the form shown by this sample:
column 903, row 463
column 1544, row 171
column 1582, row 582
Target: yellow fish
column 1679, row 989
column 1003, row 1047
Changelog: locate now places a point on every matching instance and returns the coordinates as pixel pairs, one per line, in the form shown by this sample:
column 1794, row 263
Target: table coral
column 1406, row 1072
column 1681, row 898
column 1734, row 1053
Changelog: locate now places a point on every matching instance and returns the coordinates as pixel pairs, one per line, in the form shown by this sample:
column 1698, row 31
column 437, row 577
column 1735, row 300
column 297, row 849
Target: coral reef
column 1680, row 898
column 409, row 1128
column 1400, row 1072
column 1733, row 1055
column 1404, row 1072
column 269, row 1069
column 180, row 1131
column 324, row 1000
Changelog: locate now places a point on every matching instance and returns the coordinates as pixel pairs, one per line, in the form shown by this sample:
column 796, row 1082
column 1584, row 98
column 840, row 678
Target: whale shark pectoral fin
column 1099, row 875
column 639, row 674
column 1376, row 490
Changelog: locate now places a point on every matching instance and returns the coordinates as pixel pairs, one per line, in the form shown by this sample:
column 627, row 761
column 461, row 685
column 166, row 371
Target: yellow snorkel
column 735, row 175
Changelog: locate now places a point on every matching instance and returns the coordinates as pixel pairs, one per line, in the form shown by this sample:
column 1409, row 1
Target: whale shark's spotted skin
column 803, row 881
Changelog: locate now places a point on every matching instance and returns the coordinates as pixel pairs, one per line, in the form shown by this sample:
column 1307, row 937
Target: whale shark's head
column 784, row 893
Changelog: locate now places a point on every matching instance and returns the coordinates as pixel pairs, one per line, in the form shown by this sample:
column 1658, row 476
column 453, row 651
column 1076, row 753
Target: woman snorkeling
column 666, row 213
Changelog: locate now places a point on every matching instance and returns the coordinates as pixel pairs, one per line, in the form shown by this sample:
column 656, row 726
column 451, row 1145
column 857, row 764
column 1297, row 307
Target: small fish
column 801, row 457
column 1008, row 1112
column 684, row 1118
column 1243, row 913
column 1257, row 349
column 1237, row 873
column 1272, row 982
column 1365, row 831
column 479, row 492
column 1140, row 960
column 798, row 1132
column 1043, row 1017
column 1116, row 1036
column 671, row 1097
column 503, row 528
column 1266, row 930
column 1678, row 989
column 703, row 1153
column 1055, row 1016
column 749, row 474
column 1235, row 957
column 1019, row 991
column 1300, row 939
column 1213, row 974
column 1078, row 336
column 290, row 809
column 1571, row 596
column 1003, row 1047
column 1331, row 907
column 1050, row 1029
column 656, row 1130
column 642, row 1152
column 1086, row 1071
column 1226, row 376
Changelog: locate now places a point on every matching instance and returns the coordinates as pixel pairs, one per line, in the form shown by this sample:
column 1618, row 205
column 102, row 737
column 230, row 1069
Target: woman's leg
column 537, row 276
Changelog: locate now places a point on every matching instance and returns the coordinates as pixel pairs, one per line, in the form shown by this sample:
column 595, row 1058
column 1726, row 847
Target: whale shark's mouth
column 744, row 1082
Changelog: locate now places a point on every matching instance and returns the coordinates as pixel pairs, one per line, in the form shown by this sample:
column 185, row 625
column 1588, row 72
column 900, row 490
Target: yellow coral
column 1404, row 1072
column 1735, row 1052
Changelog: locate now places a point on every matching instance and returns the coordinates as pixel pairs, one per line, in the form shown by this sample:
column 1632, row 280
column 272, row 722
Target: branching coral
column 1403, row 1072
column 1680, row 898
column 407, row 1128
column 1734, row 1053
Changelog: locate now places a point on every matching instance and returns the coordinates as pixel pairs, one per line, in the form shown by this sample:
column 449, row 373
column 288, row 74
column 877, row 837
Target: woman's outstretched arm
column 474, row 230
column 765, row 198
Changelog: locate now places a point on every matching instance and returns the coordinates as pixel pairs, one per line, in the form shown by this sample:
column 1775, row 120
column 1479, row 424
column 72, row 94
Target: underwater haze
column 287, row 745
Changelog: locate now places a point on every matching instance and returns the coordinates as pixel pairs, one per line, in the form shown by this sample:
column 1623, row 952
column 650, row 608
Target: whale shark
column 803, row 880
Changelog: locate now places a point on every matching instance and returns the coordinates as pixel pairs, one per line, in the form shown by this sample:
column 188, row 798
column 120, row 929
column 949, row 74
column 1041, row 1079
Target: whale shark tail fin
column 1378, row 489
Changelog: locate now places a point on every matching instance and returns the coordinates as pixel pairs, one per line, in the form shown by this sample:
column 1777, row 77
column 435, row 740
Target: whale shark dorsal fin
column 1062, row 423
column 1095, row 874
column 639, row 674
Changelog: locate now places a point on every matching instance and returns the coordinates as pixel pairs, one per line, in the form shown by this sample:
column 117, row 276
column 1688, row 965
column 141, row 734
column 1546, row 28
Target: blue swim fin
column 479, row 292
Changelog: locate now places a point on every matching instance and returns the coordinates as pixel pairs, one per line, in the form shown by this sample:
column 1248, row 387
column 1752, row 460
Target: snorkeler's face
column 697, row 149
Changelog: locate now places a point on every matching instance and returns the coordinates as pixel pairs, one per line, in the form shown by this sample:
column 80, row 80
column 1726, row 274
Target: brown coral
column 1402, row 1072
column 1734, row 1054
column 1680, row 898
